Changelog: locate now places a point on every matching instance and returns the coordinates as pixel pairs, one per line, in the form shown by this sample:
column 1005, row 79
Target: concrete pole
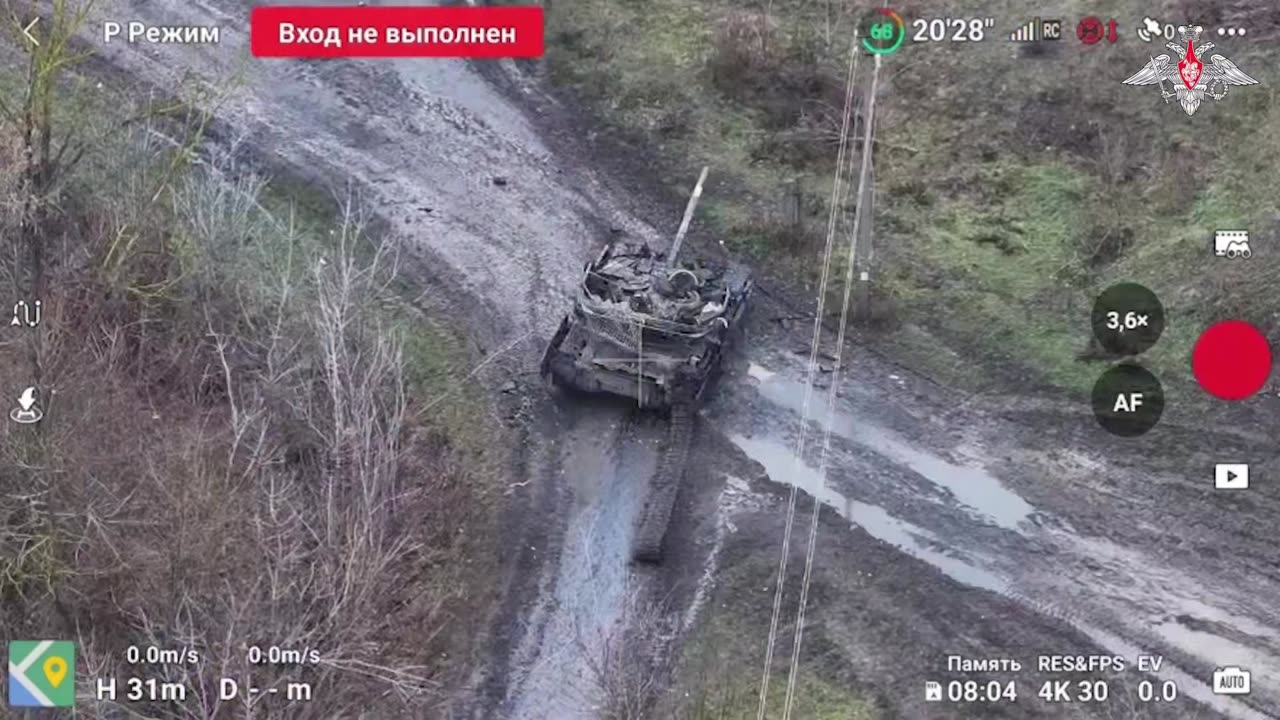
column 863, row 217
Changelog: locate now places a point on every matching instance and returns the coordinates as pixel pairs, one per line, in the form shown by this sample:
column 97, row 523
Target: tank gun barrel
column 688, row 218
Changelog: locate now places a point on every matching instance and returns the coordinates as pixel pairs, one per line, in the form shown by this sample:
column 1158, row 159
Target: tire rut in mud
column 536, row 531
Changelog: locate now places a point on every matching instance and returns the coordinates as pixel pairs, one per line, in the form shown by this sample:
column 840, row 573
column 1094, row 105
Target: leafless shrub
column 12, row 168
column 742, row 51
column 754, row 62
column 319, row 556
column 624, row 661
column 1109, row 234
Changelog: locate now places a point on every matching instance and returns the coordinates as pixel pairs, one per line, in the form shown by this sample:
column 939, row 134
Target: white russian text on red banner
column 451, row 35
column 291, row 34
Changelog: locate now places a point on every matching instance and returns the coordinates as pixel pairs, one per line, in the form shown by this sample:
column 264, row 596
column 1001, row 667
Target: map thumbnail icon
column 42, row 673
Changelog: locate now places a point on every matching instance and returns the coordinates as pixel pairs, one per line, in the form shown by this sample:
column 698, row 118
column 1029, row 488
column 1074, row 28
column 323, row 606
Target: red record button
column 1231, row 360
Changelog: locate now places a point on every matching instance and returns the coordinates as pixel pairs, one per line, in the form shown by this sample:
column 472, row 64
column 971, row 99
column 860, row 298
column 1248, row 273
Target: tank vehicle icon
column 1232, row 244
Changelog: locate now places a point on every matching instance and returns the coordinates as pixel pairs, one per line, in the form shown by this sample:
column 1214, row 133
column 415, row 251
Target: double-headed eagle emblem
column 1190, row 78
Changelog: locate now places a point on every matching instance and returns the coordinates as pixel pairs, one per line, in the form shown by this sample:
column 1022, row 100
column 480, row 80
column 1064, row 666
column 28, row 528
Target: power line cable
column 811, row 374
column 861, row 214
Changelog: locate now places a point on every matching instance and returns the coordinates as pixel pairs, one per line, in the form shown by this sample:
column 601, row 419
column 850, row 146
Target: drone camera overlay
column 639, row 360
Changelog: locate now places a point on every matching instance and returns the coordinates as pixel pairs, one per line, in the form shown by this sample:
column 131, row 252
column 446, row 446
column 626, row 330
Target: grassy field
column 1011, row 188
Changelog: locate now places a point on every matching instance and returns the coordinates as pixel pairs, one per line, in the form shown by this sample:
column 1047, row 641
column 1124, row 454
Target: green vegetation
column 719, row 677
column 1008, row 193
column 735, row 696
column 249, row 431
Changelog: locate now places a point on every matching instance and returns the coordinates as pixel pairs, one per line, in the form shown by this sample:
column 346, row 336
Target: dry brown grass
column 228, row 457
column 206, row 479
column 12, row 167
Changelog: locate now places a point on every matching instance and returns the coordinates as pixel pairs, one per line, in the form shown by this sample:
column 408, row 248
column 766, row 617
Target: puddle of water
column 760, row 372
column 973, row 487
column 781, row 464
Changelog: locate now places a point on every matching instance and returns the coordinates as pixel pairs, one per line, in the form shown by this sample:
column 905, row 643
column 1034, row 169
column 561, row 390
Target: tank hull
column 650, row 360
column 656, row 335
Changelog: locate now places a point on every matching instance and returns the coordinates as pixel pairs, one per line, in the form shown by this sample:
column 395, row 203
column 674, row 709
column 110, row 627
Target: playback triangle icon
column 1231, row 476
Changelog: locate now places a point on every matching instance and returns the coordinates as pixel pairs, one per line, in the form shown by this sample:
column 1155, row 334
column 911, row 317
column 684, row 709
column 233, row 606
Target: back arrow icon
column 27, row 31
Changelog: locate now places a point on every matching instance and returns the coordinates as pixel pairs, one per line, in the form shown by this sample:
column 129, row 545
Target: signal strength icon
column 1037, row 30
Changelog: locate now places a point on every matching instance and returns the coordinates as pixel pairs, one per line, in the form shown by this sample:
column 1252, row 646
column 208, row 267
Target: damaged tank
column 647, row 327
column 643, row 329
column 654, row 328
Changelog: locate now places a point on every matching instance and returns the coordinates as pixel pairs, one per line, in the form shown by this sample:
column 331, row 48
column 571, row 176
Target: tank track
column 652, row 527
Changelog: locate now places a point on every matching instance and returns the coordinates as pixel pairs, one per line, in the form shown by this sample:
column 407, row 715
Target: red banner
column 352, row 31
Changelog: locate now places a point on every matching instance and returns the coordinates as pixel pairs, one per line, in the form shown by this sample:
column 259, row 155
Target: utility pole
column 863, row 218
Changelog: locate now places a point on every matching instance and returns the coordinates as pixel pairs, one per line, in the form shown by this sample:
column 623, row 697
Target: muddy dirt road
column 1051, row 523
